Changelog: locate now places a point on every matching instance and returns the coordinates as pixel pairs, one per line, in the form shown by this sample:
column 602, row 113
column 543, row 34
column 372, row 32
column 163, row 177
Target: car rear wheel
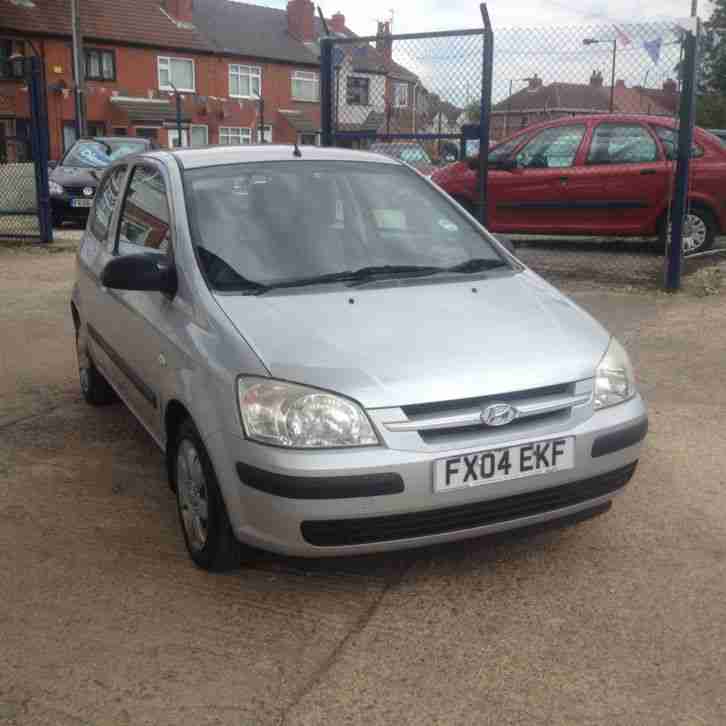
column 203, row 516
column 94, row 387
column 699, row 232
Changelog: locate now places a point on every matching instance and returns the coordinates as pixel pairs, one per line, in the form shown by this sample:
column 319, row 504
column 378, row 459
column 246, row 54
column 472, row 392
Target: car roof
column 223, row 155
column 114, row 138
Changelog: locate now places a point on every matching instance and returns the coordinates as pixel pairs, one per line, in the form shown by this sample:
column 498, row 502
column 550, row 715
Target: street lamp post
column 614, row 41
column 512, row 81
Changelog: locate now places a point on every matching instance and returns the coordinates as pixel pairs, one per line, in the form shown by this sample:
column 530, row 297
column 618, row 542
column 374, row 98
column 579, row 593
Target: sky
column 426, row 15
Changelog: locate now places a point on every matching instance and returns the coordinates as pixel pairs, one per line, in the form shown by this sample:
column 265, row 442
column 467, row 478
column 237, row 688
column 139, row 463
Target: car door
column 533, row 197
column 139, row 325
column 627, row 179
column 95, row 251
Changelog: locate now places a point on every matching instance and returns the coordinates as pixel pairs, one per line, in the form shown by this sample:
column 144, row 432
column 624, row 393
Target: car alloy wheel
column 192, row 492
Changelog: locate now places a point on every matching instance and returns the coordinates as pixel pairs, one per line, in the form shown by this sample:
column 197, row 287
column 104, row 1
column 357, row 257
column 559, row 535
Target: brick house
column 220, row 55
column 539, row 102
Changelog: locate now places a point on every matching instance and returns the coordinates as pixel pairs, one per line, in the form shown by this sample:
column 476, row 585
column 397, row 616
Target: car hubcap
column 192, row 494
column 695, row 233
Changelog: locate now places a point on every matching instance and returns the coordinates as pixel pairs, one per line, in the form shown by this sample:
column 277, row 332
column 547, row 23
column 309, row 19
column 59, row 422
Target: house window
column 100, row 65
column 245, row 81
column 9, row 48
column 305, row 86
column 308, row 139
column 264, row 135
column 177, row 72
column 400, row 95
column 234, row 136
column 358, row 89
column 199, row 135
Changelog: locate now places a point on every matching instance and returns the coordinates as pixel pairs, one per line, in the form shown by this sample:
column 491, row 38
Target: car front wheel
column 94, row 386
column 203, row 516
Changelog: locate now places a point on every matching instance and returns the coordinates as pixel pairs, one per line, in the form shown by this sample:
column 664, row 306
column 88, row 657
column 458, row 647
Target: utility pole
column 79, row 69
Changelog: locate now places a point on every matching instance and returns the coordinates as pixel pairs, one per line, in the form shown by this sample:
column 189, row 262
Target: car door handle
column 564, row 179
column 648, row 172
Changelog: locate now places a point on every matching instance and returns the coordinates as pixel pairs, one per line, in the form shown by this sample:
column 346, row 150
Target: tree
column 473, row 111
column 713, row 50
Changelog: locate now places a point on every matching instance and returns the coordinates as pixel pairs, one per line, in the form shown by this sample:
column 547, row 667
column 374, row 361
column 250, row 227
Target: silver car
column 335, row 358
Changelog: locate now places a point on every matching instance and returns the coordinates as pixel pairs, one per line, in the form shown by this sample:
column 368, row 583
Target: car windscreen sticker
column 448, row 225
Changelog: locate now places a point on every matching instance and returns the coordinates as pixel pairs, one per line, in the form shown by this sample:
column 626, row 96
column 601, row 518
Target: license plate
column 514, row 462
column 81, row 202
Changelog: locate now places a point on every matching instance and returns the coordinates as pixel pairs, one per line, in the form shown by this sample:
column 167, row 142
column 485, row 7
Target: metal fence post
column 326, row 91
column 484, row 118
column 685, row 141
column 40, row 144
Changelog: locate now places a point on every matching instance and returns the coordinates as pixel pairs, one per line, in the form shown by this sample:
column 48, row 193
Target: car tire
column 203, row 517
column 704, row 233
column 56, row 220
column 94, row 387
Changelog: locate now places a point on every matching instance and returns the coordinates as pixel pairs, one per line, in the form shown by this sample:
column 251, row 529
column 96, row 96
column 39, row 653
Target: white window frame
column 199, row 126
column 167, row 59
column 305, row 77
column 267, row 131
column 397, row 86
column 244, row 71
column 241, row 132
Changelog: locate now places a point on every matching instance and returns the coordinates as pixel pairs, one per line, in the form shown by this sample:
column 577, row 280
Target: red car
column 608, row 175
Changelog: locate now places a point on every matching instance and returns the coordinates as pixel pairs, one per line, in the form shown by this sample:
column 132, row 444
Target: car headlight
column 614, row 377
column 55, row 188
column 294, row 416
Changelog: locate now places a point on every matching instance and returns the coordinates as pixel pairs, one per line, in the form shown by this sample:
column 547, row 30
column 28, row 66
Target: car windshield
column 99, row 153
column 267, row 224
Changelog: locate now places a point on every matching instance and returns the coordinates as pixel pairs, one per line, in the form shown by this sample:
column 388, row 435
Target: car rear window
column 97, row 154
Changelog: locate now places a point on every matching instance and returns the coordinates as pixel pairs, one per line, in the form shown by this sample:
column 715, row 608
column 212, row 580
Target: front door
column 137, row 333
column 534, row 197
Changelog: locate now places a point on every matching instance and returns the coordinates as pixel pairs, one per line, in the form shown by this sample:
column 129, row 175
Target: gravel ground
column 104, row 621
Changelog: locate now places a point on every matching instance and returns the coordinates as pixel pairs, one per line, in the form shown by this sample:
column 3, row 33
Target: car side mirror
column 147, row 272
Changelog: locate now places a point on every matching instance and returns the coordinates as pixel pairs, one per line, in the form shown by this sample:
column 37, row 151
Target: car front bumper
column 317, row 504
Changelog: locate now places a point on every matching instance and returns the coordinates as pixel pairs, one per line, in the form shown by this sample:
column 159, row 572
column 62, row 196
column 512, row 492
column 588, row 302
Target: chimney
column 384, row 44
column 300, row 20
column 670, row 87
column 337, row 23
column 620, row 83
column 535, row 82
column 596, row 79
column 180, row 10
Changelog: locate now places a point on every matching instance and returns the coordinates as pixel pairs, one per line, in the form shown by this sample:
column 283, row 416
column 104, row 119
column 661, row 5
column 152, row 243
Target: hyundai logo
column 498, row 414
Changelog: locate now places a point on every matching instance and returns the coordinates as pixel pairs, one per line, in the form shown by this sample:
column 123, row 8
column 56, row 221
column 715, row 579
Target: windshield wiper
column 364, row 274
column 374, row 272
column 477, row 264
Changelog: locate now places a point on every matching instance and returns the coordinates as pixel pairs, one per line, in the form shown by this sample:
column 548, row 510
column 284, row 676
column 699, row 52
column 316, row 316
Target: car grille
column 342, row 532
column 448, row 422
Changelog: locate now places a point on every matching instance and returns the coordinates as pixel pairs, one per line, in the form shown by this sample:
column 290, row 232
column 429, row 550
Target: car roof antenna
column 296, row 152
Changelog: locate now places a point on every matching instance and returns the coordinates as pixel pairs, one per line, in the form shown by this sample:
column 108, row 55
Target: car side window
column 669, row 139
column 554, row 148
column 614, row 143
column 145, row 219
column 106, row 200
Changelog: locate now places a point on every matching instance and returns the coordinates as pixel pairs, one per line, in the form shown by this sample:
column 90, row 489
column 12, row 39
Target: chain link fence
column 18, row 199
column 405, row 96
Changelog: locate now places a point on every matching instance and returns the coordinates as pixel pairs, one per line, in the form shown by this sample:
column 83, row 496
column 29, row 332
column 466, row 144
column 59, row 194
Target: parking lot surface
column 103, row 619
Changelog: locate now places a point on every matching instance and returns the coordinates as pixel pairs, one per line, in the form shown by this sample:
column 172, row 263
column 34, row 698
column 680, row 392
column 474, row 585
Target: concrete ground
column 103, row 620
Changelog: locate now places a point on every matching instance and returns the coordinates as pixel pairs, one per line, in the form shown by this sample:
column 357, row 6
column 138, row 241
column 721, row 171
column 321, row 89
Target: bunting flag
column 653, row 48
column 623, row 37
